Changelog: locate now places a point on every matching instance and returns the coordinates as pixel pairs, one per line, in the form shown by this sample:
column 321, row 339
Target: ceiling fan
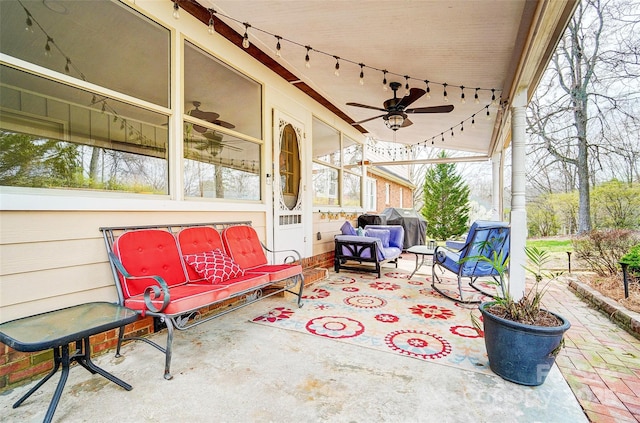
column 211, row 117
column 395, row 116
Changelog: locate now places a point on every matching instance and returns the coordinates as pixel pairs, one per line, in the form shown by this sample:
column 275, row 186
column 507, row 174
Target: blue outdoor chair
column 483, row 239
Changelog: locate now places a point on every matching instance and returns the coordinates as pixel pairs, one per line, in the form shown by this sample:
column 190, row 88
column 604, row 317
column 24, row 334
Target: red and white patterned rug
column 392, row 314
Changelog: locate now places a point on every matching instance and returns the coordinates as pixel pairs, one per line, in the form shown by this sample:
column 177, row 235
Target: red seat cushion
column 242, row 283
column 243, row 246
column 149, row 252
column 183, row 298
column 215, row 266
column 198, row 239
column 277, row 272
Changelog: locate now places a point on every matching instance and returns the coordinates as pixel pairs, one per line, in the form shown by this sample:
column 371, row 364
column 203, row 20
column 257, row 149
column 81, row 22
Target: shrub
column 632, row 259
column 602, row 250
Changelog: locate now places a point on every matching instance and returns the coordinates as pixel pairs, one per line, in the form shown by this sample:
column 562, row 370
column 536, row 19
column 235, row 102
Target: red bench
column 172, row 271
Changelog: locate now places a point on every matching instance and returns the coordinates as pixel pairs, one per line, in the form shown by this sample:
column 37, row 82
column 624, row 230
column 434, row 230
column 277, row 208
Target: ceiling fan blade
column 433, row 109
column 406, row 123
column 208, row 116
column 224, row 124
column 414, row 94
column 367, row 120
column 366, row 107
column 199, row 128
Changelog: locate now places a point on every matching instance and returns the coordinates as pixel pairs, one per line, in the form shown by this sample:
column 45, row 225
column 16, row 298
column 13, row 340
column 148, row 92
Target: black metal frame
column 356, row 250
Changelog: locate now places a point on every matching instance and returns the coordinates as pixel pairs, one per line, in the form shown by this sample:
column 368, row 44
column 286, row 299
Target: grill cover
column 415, row 226
column 371, row 219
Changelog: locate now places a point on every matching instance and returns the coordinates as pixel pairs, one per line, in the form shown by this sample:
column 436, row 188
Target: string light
column 278, row 46
column 211, row 29
column 445, row 92
column 473, row 121
column 462, row 99
column 477, row 99
column 29, row 22
column 384, row 80
column 176, row 10
column 66, row 66
column 337, row 71
column 307, row 62
column 245, row 38
column 47, row 47
column 279, row 39
column 493, row 97
column 488, row 113
column 361, row 73
column 462, row 126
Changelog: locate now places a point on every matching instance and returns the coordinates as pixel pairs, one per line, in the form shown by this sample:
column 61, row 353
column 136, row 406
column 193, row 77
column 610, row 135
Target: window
column 53, row 135
column 370, row 192
column 216, row 163
column 401, row 191
column 387, row 193
column 337, row 167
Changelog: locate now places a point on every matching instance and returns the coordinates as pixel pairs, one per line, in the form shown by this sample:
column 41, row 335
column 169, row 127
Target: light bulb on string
column 361, row 73
column 384, row 80
column 245, row 38
column 47, row 47
column 488, row 113
column 473, row 120
column 462, row 99
column 29, row 22
column 462, row 126
column 211, row 29
column 66, row 66
column 428, row 89
column 337, row 67
column 406, row 85
column 476, row 98
column 452, row 135
column 445, row 92
column 307, row 60
column 493, row 96
column 176, row 10
column 278, row 46
column 442, row 135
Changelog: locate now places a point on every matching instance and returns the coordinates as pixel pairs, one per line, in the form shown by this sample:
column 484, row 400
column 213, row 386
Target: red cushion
column 277, row 272
column 183, row 298
column 149, row 252
column 243, row 283
column 198, row 239
column 242, row 244
column 215, row 266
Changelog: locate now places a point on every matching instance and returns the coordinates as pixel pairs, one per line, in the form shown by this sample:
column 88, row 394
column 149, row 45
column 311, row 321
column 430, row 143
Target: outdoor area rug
column 392, row 314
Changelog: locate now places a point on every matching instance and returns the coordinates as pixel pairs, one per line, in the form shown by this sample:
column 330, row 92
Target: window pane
column 54, row 135
column 102, row 42
column 351, row 186
column 352, row 153
column 220, row 95
column 325, row 185
column 217, row 165
column 326, row 143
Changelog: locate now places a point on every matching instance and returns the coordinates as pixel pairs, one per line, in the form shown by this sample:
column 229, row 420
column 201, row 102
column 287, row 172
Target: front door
column 288, row 222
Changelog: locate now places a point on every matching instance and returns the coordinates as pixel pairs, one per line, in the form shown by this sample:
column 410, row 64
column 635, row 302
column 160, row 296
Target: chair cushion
column 198, row 239
column 183, row 298
column 277, row 272
column 148, row 252
column 348, row 229
column 243, row 246
column 215, row 266
column 382, row 234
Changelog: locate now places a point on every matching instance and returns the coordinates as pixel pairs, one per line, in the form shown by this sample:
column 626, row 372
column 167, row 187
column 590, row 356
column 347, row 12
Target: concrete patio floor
column 231, row 370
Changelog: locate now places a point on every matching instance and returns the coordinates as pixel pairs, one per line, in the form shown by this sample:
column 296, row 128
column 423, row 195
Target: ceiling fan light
column 394, row 122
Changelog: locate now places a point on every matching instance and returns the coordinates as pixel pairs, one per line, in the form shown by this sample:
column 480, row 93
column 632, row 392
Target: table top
column 421, row 249
column 59, row 327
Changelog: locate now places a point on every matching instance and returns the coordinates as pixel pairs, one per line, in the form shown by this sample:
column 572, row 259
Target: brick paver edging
column 617, row 313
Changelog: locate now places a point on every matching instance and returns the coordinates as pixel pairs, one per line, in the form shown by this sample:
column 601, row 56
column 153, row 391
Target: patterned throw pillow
column 215, row 266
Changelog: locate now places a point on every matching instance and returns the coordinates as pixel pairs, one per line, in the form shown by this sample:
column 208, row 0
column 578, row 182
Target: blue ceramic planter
column 521, row 353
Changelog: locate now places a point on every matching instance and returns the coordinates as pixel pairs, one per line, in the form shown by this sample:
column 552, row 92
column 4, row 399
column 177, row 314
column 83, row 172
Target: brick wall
column 394, row 194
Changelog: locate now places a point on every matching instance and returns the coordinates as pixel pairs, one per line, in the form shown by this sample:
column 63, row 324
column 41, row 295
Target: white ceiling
column 467, row 43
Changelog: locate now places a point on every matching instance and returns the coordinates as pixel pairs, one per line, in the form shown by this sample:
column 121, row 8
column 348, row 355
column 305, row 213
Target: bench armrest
column 290, row 259
column 151, row 292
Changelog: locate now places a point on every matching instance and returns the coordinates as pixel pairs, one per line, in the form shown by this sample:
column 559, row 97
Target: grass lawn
column 552, row 245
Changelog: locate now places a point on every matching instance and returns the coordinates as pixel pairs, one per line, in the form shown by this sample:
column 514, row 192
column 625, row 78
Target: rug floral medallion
column 392, row 314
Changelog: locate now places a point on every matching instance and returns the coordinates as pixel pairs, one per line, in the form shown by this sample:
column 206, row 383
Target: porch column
column 496, row 190
column 518, row 210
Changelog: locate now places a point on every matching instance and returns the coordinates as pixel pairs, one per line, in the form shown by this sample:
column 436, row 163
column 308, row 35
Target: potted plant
column 522, row 339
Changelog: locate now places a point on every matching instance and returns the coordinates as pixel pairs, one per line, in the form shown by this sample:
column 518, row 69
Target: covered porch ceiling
column 500, row 45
